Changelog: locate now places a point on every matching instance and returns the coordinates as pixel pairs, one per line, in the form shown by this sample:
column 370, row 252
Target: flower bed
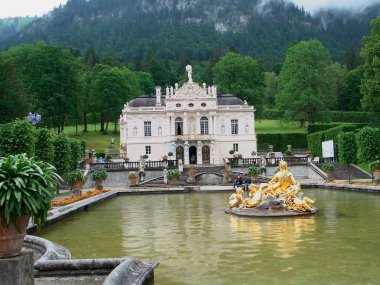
column 83, row 196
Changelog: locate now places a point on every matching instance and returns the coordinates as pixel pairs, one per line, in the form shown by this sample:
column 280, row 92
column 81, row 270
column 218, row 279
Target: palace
column 193, row 122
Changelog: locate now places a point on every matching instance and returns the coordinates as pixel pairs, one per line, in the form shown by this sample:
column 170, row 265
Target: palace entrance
column 193, row 155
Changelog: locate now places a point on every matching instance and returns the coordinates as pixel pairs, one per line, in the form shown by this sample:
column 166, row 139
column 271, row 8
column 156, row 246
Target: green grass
column 95, row 139
column 277, row 127
column 365, row 167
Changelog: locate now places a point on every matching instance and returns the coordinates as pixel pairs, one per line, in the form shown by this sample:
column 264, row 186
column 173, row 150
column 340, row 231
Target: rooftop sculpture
column 281, row 196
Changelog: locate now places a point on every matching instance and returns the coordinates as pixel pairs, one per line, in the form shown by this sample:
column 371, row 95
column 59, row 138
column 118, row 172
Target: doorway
column 193, row 155
column 180, row 153
column 205, row 154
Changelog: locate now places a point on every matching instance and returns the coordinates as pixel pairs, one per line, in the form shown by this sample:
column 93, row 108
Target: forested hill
column 11, row 26
column 171, row 28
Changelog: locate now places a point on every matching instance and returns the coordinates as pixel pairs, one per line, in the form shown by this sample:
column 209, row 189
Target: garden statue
column 281, row 193
column 189, row 70
column 142, row 168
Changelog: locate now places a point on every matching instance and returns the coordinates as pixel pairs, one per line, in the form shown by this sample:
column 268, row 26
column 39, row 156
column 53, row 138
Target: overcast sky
column 14, row 8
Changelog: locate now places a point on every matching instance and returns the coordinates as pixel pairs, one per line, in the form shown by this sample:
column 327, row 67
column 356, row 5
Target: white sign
column 328, row 149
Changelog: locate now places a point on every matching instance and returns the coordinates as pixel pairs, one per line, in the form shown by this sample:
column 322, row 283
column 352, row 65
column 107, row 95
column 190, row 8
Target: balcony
column 193, row 138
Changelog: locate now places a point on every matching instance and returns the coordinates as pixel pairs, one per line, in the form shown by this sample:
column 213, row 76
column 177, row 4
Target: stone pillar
column 17, row 270
column 198, row 124
column 186, row 153
column 185, row 125
column 199, row 153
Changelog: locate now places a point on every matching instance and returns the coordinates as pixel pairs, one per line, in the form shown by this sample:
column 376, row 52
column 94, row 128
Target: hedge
column 280, row 141
column 314, row 128
column 62, row 155
column 332, row 134
column 23, row 138
column 44, row 145
column 76, row 153
column 314, row 142
column 368, row 143
column 5, row 140
column 353, row 117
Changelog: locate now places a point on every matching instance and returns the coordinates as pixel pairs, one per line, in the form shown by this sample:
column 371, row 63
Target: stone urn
column 99, row 184
column 12, row 236
column 376, row 176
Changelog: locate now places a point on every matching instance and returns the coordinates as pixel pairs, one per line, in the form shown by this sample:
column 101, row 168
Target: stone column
column 185, row 125
column 17, row 270
column 186, row 153
column 199, row 153
column 171, row 126
column 198, row 124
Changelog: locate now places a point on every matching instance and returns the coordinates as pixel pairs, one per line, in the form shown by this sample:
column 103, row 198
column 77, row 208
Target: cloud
column 17, row 8
column 314, row 5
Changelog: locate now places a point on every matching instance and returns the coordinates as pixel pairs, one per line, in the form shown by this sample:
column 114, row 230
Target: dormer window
column 203, row 104
column 191, row 105
column 178, row 105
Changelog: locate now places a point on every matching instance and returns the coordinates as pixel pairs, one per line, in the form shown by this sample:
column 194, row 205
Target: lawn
column 96, row 140
column 277, row 127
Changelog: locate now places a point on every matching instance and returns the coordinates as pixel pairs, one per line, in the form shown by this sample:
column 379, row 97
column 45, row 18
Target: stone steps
column 341, row 172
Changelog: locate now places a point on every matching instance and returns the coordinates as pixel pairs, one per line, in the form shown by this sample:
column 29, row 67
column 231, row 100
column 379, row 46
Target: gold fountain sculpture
column 282, row 188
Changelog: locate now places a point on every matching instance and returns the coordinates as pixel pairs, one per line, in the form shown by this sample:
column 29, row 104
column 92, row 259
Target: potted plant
column 288, row 152
column 328, row 168
column 375, row 168
column 27, row 187
column 133, row 177
column 173, row 175
column 126, row 159
column 99, row 176
column 75, row 179
column 253, row 153
column 145, row 156
column 254, row 172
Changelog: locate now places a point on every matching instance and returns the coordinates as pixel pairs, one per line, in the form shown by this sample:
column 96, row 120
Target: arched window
column 204, row 126
column 178, row 126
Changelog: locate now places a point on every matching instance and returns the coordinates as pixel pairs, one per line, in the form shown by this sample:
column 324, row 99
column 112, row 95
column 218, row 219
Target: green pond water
column 197, row 243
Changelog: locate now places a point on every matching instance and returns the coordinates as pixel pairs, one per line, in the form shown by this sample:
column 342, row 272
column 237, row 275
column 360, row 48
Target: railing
column 134, row 165
column 117, row 155
column 193, row 137
column 269, row 161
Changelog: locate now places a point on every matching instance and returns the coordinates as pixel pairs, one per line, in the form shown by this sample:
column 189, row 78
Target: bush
column 281, row 141
column 76, row 153
column 253, row 171
column 145, row 156
column 314, row 128
column 23, row 138
column 353, row 117
column 368, row 142
column 74, row 176
column 173, row 173
column 315, row 143
column 288, row 152
column 231, row 151
column 83, row 144
column 99, row 175
column 328, row 167
column 332, row 134
column 132, row 174
column 5, row 140
column 62, row 156
column 45, row 145
column 170, row 153
column 374, row 165
column 347, row 148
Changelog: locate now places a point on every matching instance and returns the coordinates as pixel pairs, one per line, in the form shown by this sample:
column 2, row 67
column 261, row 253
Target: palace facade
column 193, row 122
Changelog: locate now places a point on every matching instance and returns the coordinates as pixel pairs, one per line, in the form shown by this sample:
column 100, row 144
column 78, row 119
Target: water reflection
column 286, row 235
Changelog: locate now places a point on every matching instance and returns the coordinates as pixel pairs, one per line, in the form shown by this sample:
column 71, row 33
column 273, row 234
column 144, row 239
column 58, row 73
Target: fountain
column 280, row 197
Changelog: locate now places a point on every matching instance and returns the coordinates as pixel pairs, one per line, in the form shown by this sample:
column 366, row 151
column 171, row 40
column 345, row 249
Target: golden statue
column 282, row 189
column 236, row 199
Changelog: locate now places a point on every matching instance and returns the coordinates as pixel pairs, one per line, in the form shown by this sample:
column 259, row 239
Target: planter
column 329, row 174
column 99, row 184
column 376, row 175
column 133, row 180
column 173, row 180
column 12, row 240
column 77, row 185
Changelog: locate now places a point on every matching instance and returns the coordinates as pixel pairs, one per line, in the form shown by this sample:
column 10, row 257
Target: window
column 235, row 147
column 148, row 149
column 178, row 105
column 234, row 127
column 204, row 126
column 178, row 127
column 203, row 104
column 191, row 105
column 148, row 129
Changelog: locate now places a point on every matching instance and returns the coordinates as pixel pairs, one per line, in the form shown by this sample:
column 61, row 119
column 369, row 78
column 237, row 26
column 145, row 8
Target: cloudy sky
column 14, row 8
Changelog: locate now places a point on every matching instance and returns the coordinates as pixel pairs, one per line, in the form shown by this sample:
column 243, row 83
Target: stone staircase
column 341, row 172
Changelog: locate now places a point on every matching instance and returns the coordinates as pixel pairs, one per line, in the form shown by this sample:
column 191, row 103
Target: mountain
column 11, row 26
column 171, row 28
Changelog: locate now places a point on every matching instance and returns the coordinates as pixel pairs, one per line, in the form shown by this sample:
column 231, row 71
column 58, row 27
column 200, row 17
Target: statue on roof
column 189, row 70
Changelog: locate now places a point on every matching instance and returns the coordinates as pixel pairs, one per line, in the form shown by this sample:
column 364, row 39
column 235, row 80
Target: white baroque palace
column 193, row 122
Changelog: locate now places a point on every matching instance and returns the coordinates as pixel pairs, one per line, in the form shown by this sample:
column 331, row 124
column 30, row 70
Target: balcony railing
column 135, row 165
column 193, row 137
column 245, row 162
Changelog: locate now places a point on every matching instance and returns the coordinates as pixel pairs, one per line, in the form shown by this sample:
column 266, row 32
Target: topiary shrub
column 62, row 155
column 23, row 138
column 75, row 153
column 315, row 143
column 328, row 167
column 44, row 145
column 347, row 149
column 5, row 140
column 368, row 142
column 253, row 171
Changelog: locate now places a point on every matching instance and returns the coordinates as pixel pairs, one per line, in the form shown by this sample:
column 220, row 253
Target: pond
column 197, row 243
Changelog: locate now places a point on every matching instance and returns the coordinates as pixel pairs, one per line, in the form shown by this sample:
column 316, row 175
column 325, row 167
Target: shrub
column 315, row 143
column 231, row 151
column 253, row 171
column 332, row 134
column 74, row 176
column 83, row 144
column 5, row 140
column 26, row 187
column 374, row 165
column 328, row 167
column 353, row 117
column 170, row 153
column 253, row 153
column 23, row 138
column 368, row 142
column 288, row 152
column 76, row 153
column 99, row 175
column 347, row 149
column 62, row 156
column 314, row 128
column 173, row 173
column 132, row 174
column 145, row 156
column 45, row 145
